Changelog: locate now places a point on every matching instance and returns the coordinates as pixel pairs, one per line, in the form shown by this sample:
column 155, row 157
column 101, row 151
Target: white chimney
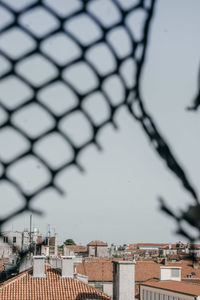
column 67, row 268
column 170, row 273
column 38, row 266
column 123, row 280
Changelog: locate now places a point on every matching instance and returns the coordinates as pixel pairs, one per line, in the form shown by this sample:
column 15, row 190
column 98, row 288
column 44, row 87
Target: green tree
column 116, row 256
column 69, row 242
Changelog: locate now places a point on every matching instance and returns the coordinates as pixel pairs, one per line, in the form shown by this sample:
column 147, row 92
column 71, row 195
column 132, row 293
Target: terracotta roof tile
column 176, row 286
column 97, row 243
column 139, row 245
column 25, row 287
column 96, row 269
column 77, row 248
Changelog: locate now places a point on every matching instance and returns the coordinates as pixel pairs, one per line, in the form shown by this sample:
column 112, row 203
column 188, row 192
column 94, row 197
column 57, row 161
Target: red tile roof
column 25, row 287
column 77, row 248
column 145, row 270
column 98, row 268
column 175, row 286
column 150, row 245
column 97, row 243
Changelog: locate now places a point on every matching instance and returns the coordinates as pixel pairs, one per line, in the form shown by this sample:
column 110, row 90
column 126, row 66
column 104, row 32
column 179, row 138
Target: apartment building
column 169, row 290
column 97, row 249
column 48, row 283
column 169, row 286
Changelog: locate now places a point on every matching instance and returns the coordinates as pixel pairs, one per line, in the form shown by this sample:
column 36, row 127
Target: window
column 156, row 296
column 143, row 294
column 99, row 287
column 175, row 272
column 5, row 239
column 165, row 297
column 150, row 295
column 14, row 239
column 161, row 297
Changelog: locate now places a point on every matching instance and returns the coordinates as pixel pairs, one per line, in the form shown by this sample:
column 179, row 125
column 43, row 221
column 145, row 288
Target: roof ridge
column 13, row 280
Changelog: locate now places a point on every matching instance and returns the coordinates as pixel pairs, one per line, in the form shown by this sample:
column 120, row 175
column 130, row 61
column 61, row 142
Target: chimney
column 123, row 280
column 170, row 273
column 67, row 266
column 38, row 266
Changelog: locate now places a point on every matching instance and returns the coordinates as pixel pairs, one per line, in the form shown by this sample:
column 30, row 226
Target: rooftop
column 101, row 269
column 175, row 286
column 77, row 248
column 25, row 287
column 97, row 243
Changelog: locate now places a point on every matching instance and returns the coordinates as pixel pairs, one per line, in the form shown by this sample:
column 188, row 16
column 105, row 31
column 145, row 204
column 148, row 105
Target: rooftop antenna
column 30, row 230
column 49, row 230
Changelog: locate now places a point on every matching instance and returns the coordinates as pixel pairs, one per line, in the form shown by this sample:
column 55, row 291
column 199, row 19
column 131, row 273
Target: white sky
column 116, row 199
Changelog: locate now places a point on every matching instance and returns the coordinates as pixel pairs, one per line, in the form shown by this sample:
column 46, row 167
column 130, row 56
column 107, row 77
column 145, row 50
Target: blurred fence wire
column 85, row 54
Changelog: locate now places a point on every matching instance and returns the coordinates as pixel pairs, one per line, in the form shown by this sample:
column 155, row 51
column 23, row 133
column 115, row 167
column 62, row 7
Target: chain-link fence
column 85, row 54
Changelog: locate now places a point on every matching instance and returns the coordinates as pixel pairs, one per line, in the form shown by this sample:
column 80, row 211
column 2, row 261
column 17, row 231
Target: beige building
column 169, row 290
column 169, row 287
column 97, row 249
column 75, row 250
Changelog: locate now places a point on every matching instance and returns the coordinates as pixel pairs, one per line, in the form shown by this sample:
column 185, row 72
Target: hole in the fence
column 101, row 57
column 8, row 138
column 81, row 77
column 33, row 120
column 58, row 97
column 37, row 70
column 135, row 22
column 29, row 173
column 64, row 8
column 77, row 128
column 97, row 108
column 5, row 65
column 139, row 51
column 84, row 29
column 105, row 11
column 39, row 21
column 1, row 170
column 13, row 198
column 120, row 41
column 135, row 107
column 61, row 49
column 16, row 43
column 11, row 98
column 54, row 150
column 3, row 116
column 127, row 71
column 114, row 89
column 147, row 3
column 6, row 18
column 128, row 4
column 18, row 5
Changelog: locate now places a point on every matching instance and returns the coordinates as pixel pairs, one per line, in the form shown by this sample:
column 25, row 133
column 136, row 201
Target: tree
column 69, row 242
column 116, row 256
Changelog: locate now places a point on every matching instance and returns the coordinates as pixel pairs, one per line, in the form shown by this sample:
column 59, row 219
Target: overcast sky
column 116, row 199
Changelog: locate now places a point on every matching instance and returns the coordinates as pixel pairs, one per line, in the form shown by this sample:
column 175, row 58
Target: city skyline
column 116, row 199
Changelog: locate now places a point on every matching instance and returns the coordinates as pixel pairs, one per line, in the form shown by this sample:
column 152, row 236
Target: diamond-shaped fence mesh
column 66, row 66
column 61, row 64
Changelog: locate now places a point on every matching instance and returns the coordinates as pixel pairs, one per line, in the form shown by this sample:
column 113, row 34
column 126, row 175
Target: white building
column 169, row 287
